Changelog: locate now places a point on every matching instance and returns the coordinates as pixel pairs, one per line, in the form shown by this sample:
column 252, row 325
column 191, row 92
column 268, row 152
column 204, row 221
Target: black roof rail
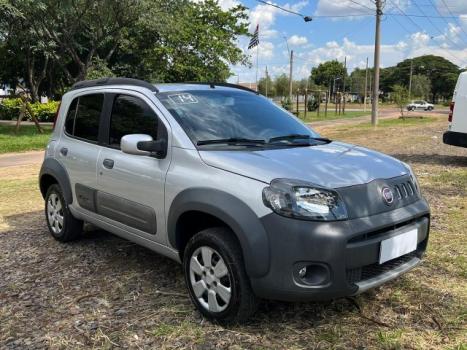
column 234, row 86
column 113, row 81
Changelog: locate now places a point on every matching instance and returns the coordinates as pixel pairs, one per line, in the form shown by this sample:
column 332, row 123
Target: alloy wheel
column 210, row 279
column 55, row 213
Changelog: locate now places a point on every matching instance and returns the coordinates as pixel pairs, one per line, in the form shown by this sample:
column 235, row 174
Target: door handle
column 64, row 151
column 108, row 163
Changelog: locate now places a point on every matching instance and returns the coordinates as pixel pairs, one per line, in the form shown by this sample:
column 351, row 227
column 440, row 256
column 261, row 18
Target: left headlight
column 292, row 198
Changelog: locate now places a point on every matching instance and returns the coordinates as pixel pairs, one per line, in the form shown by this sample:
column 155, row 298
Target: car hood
column 331, row 165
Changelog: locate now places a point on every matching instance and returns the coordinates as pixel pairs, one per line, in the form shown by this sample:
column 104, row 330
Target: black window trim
column 101, row 118
column 107, row 118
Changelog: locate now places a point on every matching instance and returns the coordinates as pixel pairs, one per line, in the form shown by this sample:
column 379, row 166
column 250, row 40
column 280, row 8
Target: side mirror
column 143, row 145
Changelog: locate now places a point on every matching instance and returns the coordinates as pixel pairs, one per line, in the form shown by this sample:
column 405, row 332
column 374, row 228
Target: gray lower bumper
column 386, row 276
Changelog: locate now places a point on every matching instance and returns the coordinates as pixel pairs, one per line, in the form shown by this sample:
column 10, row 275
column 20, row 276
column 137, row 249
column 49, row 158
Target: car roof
column 165, row 87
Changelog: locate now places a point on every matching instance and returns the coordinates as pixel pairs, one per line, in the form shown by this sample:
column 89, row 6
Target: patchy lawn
column 103, row 292
column 27, row 139
column 313, row 116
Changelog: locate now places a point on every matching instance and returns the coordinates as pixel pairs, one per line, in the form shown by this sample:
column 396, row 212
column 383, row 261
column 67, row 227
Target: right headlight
column 298, row 199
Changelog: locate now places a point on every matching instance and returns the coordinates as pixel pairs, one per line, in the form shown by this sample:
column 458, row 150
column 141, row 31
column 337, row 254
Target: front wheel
column 63, row 226
column 216, row 278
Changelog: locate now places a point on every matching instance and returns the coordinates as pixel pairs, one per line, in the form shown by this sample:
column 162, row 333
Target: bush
column 44, row 112
column 286, row 104
column 9, row 108
column 312, row 105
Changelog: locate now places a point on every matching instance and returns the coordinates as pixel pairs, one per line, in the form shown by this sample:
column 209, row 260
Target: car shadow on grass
column 434, row 159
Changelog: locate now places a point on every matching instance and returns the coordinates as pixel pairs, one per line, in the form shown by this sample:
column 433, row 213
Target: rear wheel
column 216, row 278
column 63, row 226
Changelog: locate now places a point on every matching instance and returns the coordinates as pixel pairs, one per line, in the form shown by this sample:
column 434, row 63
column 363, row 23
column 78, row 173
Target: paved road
column 26, row 158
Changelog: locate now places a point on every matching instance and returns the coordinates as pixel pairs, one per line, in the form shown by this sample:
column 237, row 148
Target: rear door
column 131, row 187
column 78, row 148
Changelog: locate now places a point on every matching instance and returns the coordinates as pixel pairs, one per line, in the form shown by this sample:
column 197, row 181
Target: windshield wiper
column 292, row 137
column 232, row 141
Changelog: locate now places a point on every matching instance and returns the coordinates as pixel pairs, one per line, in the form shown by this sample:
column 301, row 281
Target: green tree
column 421, row 86
column 281, row 85
column 327, row 73
column 50, row 44
column 441, row 72
column 400, row 96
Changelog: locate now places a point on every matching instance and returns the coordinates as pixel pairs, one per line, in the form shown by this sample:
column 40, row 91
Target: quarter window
column 70, row 117
column 130, row 115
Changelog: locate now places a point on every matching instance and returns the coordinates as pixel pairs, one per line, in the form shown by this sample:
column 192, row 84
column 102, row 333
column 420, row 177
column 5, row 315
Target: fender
column 236, row 214
column 52, row 167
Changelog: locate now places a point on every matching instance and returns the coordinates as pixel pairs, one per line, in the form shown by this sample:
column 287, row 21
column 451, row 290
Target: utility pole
column 343, row 83
column 410, row 78
column 366, row 86
column 290, row 75
column 374, row 107
column 267, row 78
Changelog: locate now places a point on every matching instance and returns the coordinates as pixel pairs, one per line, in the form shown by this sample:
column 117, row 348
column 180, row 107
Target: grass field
column 313, row 116
column 27, row 139
column 103, row 292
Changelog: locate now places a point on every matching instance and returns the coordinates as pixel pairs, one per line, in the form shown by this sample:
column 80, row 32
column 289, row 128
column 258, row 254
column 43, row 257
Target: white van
column 457, row 129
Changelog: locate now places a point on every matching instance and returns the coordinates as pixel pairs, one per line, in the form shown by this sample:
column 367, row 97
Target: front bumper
column 343, row 255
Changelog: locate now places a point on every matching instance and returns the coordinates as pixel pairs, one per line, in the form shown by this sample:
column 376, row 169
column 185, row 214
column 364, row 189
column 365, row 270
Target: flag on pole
column 255, row 39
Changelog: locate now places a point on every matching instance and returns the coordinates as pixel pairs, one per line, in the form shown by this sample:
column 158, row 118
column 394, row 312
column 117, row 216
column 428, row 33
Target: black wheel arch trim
column 235, row 213
column 52, row 167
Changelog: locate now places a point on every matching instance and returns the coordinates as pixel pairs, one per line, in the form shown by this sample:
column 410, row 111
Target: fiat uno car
column 253, row 203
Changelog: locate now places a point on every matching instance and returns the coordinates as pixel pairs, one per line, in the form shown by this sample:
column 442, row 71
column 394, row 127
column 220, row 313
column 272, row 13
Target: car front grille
column 405, row 189
column 363, row 273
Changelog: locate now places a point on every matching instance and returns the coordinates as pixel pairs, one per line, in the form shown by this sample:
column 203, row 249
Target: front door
column 78, row 148
column 131, row 187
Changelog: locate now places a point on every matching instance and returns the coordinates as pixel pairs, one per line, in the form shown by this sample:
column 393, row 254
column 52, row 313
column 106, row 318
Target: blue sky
column 346, row 34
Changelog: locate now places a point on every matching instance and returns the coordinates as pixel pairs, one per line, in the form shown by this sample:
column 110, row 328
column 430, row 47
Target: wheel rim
column 210, row 279
column 55, row 213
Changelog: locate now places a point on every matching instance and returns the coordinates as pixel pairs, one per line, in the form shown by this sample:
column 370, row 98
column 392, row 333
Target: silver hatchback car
column 251, row 201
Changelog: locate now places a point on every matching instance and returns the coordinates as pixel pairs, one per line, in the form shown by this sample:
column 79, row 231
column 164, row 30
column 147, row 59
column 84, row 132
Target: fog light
column 312, row 274
column 302, row 272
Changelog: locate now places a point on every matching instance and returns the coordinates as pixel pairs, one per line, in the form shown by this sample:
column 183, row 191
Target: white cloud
column 296, row 40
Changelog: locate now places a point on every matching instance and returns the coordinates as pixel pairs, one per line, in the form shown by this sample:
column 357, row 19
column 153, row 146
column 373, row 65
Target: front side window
column 131, row 115
column 86, row 123
column 218, row 114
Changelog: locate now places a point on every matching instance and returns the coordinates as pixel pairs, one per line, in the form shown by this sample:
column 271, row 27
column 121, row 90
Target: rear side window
column 131, row 115
column 87, row 117
column 70, row 117
column 83, row 117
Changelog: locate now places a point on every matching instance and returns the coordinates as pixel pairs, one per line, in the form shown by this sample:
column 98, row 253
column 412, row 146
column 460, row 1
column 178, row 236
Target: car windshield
column 234, row 118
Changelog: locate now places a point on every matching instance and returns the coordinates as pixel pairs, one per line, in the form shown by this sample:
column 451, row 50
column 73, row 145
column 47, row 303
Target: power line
column 435, row 26
column 449, row 11
column 362, row 5
column 305, row 17
column 420, row 28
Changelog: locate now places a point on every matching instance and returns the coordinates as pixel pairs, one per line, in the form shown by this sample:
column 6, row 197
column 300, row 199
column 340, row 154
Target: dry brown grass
column 102, row 292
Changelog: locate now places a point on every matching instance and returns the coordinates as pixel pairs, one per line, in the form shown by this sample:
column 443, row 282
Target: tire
column 211, row 297
column 63, row 226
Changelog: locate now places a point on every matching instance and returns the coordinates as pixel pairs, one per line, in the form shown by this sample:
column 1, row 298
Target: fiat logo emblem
column 388, row 196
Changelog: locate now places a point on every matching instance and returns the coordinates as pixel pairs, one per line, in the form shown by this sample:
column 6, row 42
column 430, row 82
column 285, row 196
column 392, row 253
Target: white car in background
column 457, row 129
column 420, row 104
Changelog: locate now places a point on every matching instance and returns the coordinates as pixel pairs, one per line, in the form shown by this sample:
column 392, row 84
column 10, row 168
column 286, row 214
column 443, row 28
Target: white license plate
column 397, row 246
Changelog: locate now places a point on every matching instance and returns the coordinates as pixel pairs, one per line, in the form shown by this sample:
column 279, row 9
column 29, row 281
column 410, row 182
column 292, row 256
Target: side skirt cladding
column 236, row 214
